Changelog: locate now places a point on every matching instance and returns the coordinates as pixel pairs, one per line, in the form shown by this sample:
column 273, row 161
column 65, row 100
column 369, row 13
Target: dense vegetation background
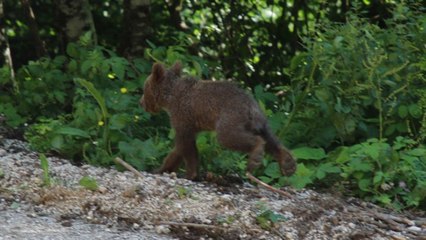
column 343, row 83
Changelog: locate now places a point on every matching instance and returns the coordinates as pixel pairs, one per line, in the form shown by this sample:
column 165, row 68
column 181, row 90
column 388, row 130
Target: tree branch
column 128, row 167
column 267, row 186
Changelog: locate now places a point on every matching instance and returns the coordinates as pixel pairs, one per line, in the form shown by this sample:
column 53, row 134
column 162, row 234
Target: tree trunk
column 136, row 27
column 75, row 19
column 4, row 46
column 175, row 7
column 38, row 44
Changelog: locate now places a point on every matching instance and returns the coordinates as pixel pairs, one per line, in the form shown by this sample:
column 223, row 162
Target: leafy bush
column 364, row 80
column 357, row 82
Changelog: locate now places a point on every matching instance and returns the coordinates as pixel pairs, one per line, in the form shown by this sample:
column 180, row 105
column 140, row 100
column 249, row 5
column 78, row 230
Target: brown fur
column 195, row 105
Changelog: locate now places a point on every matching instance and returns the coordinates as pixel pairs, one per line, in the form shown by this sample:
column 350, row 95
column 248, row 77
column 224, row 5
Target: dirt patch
column 165, row 207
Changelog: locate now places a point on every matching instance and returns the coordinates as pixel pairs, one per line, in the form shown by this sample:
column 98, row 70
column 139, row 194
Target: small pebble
column 414, row 228
column 2, row 152
column 161, row 229
column 66, row 223
column 102, row 189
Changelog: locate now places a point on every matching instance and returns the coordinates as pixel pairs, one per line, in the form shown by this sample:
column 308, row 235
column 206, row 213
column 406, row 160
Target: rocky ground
column 165, row 207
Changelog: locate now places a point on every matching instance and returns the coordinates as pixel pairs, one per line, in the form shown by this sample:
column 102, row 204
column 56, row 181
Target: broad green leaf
column 325, row 168
column 57, row 142
column 138, row 163
column 415, row 111
column 359, row 165
column 373, row 151
column 273, row 170
column 390, row 129
column 343, row 155
column 125, row 147
column 418, row 152
column 72, row 50
column 364, row 184
column 402, row 111
column 308, row 153
column 323, row 94
column 302, row 177
column 378, row 176
column 96, row 94
column 383, row 198
column 72, row 132
column 118, row 66
column 298, row 60
column 118, row 121
column 72, row 65
column 85, row 66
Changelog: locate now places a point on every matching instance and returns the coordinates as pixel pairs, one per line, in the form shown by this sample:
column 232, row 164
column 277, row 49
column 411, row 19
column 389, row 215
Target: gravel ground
column 166, row 207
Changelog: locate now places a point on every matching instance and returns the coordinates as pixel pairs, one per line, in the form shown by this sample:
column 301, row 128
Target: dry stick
column 393, row 222
column 195, row 225
column 278, row 233
column 381, row 226
column 400, row 219
column 267, row 186
column 128, row 167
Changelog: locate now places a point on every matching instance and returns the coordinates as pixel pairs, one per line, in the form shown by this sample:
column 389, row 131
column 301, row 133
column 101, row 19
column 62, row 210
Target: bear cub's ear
column 158, row 71
column 177, row 68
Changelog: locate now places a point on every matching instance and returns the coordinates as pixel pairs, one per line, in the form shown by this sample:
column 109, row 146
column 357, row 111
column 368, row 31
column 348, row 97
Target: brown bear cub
column 197, row 105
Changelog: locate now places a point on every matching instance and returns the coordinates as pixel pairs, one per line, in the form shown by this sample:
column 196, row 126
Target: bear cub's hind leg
column 242, row 140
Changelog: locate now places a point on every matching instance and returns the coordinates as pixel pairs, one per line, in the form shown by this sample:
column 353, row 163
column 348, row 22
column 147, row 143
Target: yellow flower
column 111, row 75
column 101, row 123
column 123, row 90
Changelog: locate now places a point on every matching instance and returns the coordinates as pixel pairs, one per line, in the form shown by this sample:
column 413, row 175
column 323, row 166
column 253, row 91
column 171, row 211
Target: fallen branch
column 381, row 226
column 267, row 186
column 128, row 167
column 278, row 233
column 194, row 225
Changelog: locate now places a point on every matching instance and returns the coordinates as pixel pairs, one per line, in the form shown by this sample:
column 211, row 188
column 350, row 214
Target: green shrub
column 358, row 81
column 355, row 112
column 85, row 105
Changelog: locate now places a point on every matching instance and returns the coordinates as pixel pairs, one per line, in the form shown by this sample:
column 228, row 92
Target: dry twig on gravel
column 128, row 167
column 267, row 186
column 194, row 225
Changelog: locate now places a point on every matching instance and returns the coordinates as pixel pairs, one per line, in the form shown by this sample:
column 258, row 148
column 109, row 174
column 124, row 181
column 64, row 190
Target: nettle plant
column 357, row 82
column 94, row 113
column 88, row 106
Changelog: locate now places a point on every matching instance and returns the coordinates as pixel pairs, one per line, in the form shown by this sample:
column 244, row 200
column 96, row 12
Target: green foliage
column 362, row 79
column 89, row 183
column 226, row 219
column 392, row 174
column 266, row 217
column 354, row 111
column 45, row 167
column 183, row 192
column 218, row 160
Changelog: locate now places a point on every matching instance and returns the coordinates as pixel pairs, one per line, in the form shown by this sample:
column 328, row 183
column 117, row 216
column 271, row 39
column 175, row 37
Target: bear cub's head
column 158, row 86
